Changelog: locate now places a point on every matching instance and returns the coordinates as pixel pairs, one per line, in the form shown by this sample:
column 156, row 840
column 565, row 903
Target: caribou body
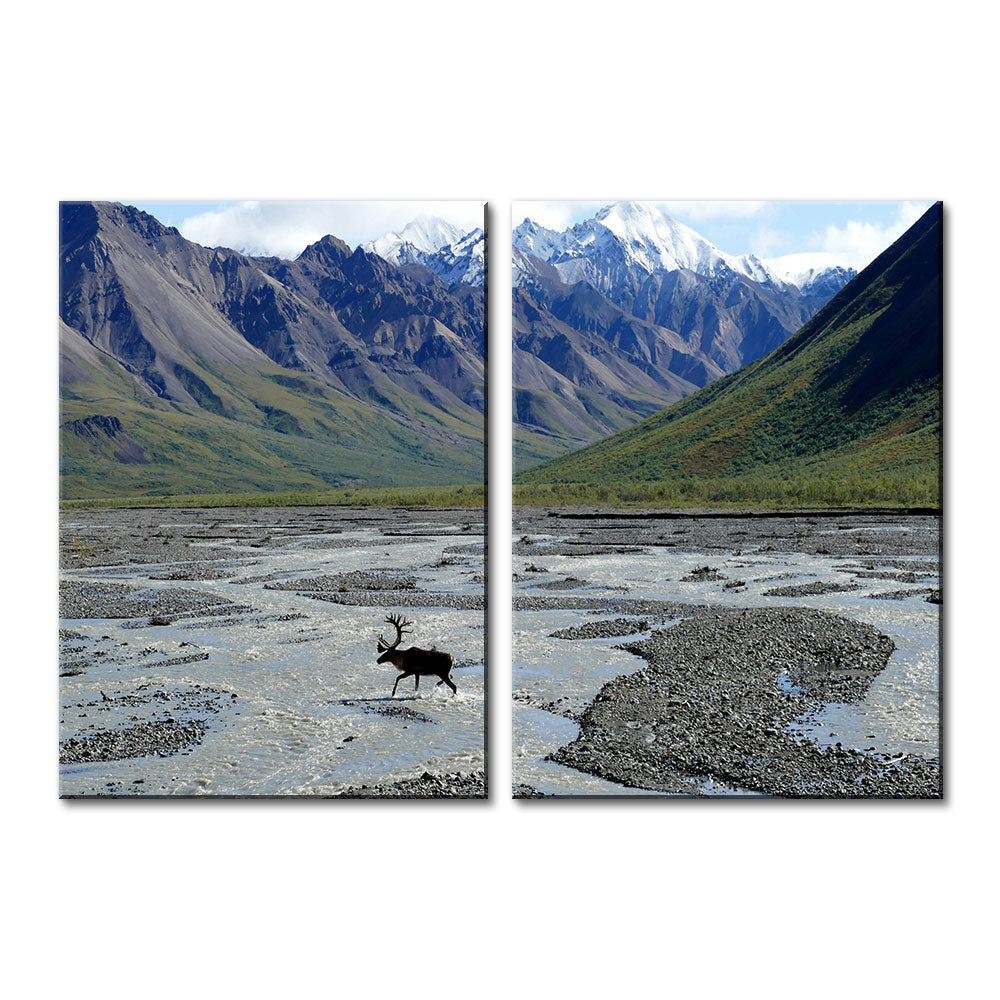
column 414, row 661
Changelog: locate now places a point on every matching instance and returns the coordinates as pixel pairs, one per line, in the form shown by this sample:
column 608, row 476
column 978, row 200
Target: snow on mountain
column 539, row 241
column 454, row 255
column 463, row 261
column 631, row 236
column 425, row 234
column 812, row 273
column 636, row 235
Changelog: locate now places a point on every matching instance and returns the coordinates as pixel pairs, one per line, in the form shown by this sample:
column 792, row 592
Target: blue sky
column 799, row 233
column 286, row 228
column 851, row 233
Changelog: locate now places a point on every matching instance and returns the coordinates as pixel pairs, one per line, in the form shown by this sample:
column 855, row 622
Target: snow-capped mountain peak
column 638, row 235
column 429, row 233
column 426, row 234
column 454, row 255
column 812, row 273
column 540, row 242
column 463, row 261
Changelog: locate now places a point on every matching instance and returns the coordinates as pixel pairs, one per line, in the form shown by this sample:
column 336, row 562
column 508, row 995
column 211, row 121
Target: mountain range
column 455, row 256
column 631, row 310
column 855, row 393
column 194, row 369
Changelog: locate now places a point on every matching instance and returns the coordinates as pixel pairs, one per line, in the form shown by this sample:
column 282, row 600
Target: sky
column 795, row 234
column 286, row 228
column 811, row 233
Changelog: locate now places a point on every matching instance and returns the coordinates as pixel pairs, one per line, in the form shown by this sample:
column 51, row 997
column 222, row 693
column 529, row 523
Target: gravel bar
column 427, row 786
column 163, row 738
column 710, row 705
column 606, row 629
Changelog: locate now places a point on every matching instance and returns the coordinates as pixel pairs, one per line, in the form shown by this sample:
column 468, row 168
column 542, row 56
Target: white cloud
column 699, row 211
column 286, row 228
column 791, row 264
column 857, row 244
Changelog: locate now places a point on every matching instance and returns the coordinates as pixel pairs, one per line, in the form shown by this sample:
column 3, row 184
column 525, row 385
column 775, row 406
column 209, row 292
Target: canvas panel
column 727, row 495
column 272, row 421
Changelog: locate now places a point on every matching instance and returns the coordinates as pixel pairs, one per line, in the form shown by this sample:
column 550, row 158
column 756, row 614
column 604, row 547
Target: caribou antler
column 401, row 626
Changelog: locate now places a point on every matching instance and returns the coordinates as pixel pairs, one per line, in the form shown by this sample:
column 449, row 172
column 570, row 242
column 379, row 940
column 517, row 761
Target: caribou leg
column 398, row 679
column 416, row 687
column 448, row 681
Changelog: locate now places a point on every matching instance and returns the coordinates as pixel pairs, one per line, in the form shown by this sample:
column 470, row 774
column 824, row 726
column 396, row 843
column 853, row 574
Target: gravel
column 427, row 786
column 567, row 583
column 708, row 705
column 394, row 712
column 702, row 573
column 583, row 530
column 404, row 599
column 520, row 791
column 898, row 595
column 160, row 739
column 605, row 629
column 377, row 580
column 173, row 720
column 807, row 589
column 108, row 599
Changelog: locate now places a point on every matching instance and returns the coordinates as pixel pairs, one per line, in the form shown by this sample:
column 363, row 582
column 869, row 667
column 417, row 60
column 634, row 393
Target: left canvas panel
column 272, row 478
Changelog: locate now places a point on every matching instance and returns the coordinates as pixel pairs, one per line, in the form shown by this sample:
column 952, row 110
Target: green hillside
column 847, row 410
column 251, row 431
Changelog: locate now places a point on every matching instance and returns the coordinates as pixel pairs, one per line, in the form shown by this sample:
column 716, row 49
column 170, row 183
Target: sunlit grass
column 405, row 496
column 792, row 493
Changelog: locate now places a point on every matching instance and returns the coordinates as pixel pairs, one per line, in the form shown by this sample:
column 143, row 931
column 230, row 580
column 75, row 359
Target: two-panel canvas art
column 726, row 482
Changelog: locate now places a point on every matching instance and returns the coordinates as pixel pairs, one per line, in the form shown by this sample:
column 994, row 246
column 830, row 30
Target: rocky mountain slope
column 631, row 310
column 856, row 392
column 230, row 373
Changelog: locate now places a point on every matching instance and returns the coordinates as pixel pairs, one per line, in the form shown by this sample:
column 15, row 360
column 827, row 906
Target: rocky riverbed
column 765, row 657
column 232, row 652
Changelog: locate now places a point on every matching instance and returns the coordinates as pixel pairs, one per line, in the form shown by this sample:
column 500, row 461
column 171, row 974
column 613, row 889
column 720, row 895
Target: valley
column 187, row 369
column 851, row 404
column 629, row 311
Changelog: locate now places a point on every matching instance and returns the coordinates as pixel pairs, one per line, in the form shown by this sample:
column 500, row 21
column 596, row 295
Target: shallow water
column 299, row 723
column 900, row 713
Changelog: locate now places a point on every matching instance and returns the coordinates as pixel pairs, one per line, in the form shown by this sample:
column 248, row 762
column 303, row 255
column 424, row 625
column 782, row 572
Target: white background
column 499, row 102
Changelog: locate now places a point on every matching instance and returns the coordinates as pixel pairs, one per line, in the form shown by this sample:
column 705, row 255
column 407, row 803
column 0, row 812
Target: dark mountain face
column 731, row 319
column 584, row 368
column 856, row 392
column 668, row 332
column 397, row 355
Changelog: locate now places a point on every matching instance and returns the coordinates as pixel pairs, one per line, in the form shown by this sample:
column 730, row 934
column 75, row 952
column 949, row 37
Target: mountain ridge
column 855, row 393
column 337, row 365
column 455, row 256
column 643, row 305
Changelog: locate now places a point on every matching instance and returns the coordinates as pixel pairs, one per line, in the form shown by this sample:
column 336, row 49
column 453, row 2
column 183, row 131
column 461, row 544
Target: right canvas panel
column 727, row 490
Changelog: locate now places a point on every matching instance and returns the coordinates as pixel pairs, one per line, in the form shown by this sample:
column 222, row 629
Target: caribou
column 414, row 662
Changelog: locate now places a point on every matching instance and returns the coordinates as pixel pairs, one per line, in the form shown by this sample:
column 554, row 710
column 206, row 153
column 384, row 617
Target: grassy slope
column 271, row 431
column 849, row 409
column 538, row 435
